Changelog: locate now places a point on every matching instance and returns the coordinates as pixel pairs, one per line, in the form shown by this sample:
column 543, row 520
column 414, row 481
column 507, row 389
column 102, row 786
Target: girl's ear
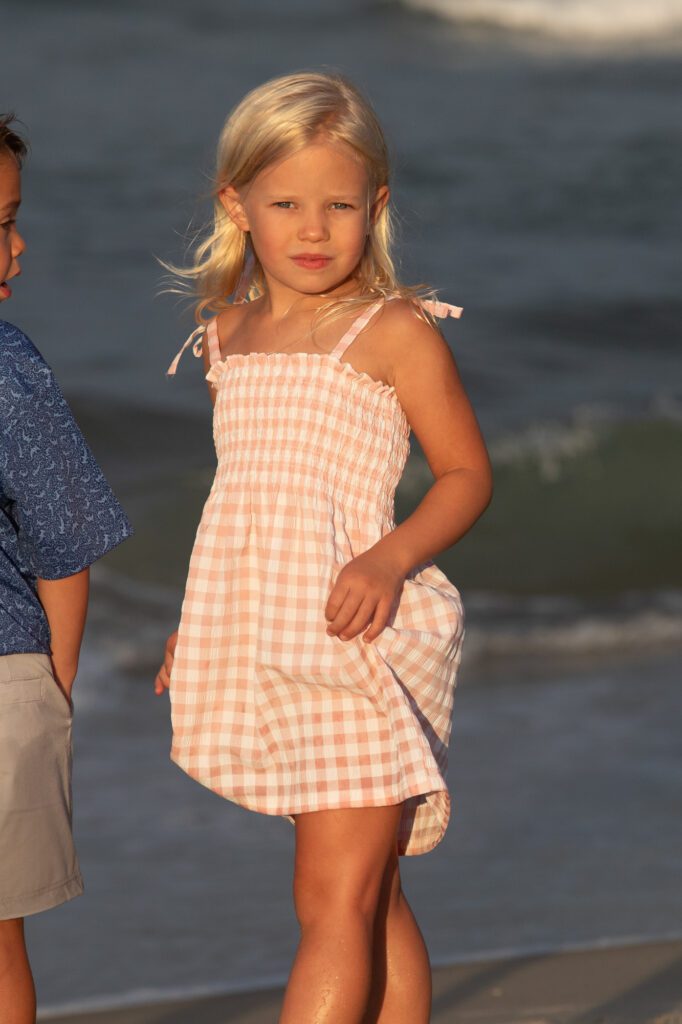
column 229, row 198
column 381, row 197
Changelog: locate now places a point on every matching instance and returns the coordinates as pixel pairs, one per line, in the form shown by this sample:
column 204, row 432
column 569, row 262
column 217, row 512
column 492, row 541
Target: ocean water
column 537, row 157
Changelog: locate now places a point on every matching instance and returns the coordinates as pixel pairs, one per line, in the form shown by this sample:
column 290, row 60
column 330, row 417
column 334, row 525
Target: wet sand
column 633, row 984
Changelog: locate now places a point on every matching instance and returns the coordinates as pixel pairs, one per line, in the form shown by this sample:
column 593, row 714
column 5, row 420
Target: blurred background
column 537, row 155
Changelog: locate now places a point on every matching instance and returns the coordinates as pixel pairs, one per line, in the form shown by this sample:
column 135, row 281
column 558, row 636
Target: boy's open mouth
column 5, row 290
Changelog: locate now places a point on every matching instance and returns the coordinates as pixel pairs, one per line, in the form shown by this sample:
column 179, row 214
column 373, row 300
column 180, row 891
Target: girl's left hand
column 363, row 595
column 162, row 681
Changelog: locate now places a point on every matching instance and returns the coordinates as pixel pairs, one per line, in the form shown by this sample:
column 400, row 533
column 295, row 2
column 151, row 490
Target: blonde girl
column 313, row 671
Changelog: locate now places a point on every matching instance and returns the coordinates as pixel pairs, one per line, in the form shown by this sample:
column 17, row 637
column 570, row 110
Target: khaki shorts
column 38, row 863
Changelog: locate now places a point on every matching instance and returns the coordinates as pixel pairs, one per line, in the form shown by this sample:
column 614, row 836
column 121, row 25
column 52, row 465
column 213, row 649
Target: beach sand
column 631, row 984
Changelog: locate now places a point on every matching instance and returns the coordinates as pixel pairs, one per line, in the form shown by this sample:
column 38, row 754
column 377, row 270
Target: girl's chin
column 317, row 282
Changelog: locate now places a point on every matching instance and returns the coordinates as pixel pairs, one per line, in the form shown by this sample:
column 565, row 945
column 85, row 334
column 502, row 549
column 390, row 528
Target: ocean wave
column 587, row 507
column 561, row 627
column 599, row 20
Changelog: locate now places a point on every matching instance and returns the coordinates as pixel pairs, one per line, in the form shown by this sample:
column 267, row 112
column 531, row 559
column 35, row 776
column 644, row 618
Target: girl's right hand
column 162, row 681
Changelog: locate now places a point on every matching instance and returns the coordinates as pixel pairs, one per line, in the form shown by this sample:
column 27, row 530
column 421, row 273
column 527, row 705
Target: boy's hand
column 162, row 681
column 65, row 602
column 363, row 595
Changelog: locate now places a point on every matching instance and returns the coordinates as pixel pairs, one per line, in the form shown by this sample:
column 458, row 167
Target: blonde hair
column 271, row 123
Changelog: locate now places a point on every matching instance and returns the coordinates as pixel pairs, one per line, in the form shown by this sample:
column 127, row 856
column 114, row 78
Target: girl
column 313, row 671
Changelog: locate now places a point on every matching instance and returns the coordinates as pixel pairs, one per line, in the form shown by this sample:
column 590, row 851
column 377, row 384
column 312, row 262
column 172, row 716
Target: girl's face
column 309, row 216
column 11, row 242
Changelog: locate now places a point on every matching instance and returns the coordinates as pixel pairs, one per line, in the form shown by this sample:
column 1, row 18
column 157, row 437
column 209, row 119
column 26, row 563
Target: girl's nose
column 313, row 228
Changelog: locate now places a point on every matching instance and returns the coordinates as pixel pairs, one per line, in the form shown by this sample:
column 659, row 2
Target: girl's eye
column 7, row 224
column 287, row 204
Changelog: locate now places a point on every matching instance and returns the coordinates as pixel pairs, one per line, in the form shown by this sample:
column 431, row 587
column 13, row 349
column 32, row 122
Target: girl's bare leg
column 341, row 860
column 401, row 977
column 17, row 992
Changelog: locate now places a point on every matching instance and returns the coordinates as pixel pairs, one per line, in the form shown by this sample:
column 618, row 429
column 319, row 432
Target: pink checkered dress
column 267, row 709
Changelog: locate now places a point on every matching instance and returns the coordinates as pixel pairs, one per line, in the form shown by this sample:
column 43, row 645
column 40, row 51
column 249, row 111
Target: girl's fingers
column 378, row 622
column 335, row 602
column 352, row 622
column 162, row 681
column 343, row 616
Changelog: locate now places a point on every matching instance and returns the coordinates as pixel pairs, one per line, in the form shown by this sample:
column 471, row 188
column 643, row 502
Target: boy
column 57, row 516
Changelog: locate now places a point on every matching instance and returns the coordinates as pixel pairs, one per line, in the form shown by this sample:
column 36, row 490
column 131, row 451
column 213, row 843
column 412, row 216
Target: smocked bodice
column 311, row 418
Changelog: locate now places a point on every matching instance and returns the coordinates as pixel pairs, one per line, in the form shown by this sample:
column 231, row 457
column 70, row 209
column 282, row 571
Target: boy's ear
column 229, row 198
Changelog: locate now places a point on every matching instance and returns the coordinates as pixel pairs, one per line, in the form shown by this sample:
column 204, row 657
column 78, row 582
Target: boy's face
column 11, row 243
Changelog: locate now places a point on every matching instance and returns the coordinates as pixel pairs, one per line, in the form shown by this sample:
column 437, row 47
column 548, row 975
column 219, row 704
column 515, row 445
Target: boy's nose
column 18, row 245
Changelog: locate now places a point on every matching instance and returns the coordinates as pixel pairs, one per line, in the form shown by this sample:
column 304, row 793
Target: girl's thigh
column 342, row 856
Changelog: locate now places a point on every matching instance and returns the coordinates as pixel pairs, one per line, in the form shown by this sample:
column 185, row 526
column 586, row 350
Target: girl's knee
column 336, row 893
column 341, row 862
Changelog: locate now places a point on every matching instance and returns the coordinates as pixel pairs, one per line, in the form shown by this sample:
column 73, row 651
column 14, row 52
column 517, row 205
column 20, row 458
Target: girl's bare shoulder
column 230, row 320
column 227, row 323
column 409, row 342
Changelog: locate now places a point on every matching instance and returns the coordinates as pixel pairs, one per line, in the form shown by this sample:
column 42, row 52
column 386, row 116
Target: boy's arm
column 65, row 602
column 63, row 510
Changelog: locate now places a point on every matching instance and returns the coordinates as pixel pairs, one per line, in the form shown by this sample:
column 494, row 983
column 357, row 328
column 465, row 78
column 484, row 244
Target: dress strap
column 211, row 331
column 441, row 309
column 437, row 309
column 196, row 348
column 214, row 354
column 357, row 325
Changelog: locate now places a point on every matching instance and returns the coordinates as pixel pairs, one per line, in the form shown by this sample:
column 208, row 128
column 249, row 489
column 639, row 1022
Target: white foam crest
column 599, row 20
column 551, row 443
column 548, row 444
column 519, row 626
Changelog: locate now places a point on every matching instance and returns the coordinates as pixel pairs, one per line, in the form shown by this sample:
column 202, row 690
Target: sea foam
column 603, row 20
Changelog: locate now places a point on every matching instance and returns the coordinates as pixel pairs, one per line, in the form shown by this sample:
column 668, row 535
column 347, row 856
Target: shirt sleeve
column 65, row 512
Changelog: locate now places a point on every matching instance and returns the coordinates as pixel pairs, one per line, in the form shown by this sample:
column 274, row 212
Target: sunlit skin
column 317, row 203
column 64, row 602
column 361, row 957
column 11, row 243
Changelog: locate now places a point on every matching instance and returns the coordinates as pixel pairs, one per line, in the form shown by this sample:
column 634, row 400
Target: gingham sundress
column 268, row 709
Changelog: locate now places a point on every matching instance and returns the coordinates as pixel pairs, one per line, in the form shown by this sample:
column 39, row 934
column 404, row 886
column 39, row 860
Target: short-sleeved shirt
column 58, row 514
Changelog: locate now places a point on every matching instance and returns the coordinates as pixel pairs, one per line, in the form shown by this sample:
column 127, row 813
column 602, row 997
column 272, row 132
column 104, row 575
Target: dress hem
column 420, row 790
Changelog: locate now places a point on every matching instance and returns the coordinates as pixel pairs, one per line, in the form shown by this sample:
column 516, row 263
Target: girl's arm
column 65, row 602
column 422, row 369
column 430, row 390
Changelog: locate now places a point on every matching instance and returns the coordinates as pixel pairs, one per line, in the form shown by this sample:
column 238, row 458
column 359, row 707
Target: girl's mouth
column 5, row 290
column 309, row 261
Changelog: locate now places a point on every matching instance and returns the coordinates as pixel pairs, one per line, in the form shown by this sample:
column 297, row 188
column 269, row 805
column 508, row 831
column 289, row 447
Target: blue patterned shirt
column 57, row 512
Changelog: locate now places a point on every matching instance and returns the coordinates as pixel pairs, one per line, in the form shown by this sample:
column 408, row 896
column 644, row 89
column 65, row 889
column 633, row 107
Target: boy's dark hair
column 10, row 140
